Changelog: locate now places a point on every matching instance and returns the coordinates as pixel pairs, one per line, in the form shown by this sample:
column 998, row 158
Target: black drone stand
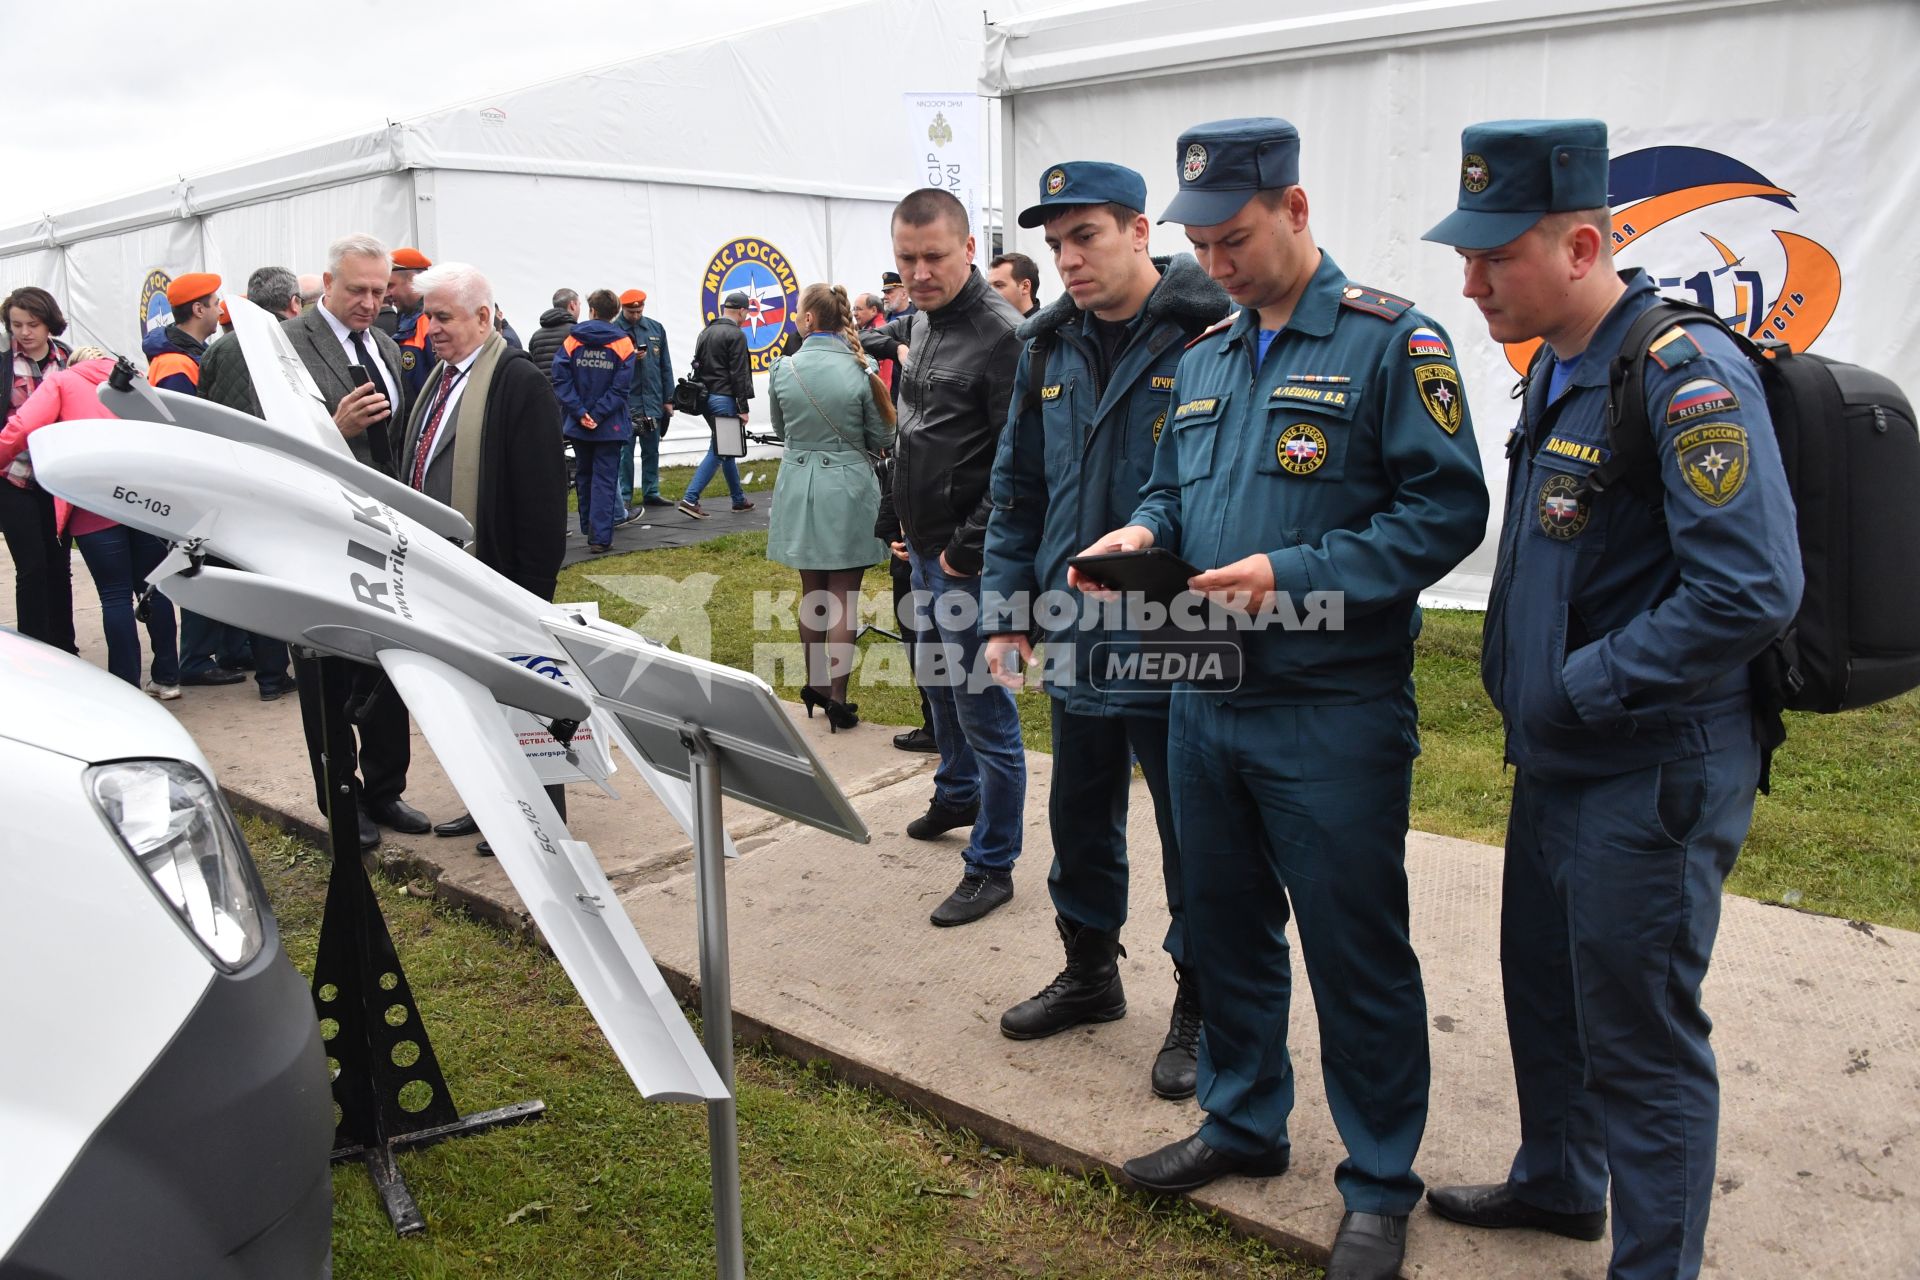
column 387, row 1084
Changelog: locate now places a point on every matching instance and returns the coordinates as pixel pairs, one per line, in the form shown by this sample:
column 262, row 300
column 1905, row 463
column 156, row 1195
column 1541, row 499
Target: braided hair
column 827, row 306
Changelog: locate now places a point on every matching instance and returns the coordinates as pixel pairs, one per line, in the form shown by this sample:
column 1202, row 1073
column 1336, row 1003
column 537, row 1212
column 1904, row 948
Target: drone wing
column 559, row 880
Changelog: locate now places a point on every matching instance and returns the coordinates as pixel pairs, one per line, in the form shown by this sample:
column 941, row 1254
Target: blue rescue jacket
column 592, row 373
column 653, row 378
column 1347, row 458
column 1071, row 464
column 1618, row 634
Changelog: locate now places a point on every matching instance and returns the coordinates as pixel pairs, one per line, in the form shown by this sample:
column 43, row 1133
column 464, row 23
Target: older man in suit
column 485, row 439
column 332, row 339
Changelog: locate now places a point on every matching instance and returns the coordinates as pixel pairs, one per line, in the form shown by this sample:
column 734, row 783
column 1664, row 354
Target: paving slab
column 1817, row 1019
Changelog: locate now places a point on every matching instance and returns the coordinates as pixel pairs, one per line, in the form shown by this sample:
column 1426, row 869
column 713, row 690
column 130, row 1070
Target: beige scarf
column 469, row 425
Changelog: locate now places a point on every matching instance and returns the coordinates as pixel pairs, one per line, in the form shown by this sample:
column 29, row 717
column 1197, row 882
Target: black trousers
column 384, row 750
column 42, row 576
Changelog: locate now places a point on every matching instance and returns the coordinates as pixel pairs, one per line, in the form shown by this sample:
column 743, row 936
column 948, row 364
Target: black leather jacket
column 721, row 362
column 954, row 394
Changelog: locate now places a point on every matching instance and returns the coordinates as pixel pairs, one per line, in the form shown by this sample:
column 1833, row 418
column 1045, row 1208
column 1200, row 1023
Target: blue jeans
column 206, row 644
column 978, row 729
column 120, row 559
column 596, row 483
column 717, row 407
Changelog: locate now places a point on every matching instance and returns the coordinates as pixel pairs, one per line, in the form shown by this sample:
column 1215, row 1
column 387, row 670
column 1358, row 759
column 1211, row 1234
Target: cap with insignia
column 1224, row 163
column 735, row 301
column 890, row 280
column 410, row 260
column 192, row 287
column 1085, row 182
column 633, row 296
column 1515, row 172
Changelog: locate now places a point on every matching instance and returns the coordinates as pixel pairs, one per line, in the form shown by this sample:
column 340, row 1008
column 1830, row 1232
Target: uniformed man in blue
column 1091, row 395
column 1319, row 444
column 1616, row 644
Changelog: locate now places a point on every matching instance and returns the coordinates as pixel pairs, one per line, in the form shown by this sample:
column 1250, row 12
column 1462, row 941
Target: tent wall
column 1828, row 112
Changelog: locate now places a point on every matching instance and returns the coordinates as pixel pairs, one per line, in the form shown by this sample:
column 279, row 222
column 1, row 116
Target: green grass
column 1839, row 835
column 837, row 1180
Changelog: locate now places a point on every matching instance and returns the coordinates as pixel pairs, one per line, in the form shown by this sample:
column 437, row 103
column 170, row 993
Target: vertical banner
column 944, row 140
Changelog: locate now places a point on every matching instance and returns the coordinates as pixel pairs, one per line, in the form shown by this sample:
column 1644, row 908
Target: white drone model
column 333, row 555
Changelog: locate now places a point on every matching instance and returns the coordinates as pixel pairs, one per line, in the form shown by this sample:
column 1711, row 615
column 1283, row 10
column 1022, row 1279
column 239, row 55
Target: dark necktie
column 377, row 433
column 443, row 394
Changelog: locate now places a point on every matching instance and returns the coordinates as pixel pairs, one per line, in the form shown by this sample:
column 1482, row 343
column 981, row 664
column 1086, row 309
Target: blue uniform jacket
column 1347, row 457
column 592, row 373
column 416, row 353
column 653, row 379
column 173, row 359
column 1072, row 462
column 1617, row 637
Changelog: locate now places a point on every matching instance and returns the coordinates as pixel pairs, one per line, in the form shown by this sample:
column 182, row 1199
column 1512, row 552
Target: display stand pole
column 387, row 1082
column 716, row 997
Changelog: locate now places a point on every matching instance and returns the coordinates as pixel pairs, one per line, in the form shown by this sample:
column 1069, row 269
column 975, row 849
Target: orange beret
column 225, row 318
column 410, row 259
column 632, row 296
column 191, row 287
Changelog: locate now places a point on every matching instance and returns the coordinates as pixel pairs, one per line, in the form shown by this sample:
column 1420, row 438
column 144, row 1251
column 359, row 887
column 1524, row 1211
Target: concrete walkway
column 1818, row 1020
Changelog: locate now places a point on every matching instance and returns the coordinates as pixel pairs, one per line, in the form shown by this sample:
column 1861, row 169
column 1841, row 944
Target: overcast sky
column 120, row 96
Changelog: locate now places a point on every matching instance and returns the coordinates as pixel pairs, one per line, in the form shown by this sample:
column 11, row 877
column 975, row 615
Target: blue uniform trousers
column 647, row 440
column 1087, row 814
column 1305, row 807
column 596, row 485
column 1610, row 905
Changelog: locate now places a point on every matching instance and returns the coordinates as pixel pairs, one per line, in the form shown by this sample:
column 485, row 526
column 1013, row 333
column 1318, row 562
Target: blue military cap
column 1223, row 163
column 1085, row 182
column 1515, row 172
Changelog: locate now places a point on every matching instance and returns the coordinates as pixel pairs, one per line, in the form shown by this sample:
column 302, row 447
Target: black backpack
column 1851, row 451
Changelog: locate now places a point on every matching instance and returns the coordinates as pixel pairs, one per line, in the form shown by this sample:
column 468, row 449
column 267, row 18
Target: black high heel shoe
column 840, row 715
column 812, row 698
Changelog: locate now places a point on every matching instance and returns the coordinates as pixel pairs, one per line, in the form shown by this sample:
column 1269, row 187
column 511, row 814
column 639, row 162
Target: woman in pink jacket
column 119, row 558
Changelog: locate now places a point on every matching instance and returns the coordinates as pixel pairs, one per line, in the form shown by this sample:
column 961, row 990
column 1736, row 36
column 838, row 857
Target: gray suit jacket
column 321, row 352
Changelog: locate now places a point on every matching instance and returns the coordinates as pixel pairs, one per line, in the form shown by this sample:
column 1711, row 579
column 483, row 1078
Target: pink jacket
column 63, row 396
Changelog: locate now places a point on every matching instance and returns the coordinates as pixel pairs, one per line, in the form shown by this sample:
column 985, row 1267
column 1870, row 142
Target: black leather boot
column 1087, row 990
column 1177, row 1066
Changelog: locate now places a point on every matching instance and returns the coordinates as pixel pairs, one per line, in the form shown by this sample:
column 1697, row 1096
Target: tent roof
column 1092, row 41
column 723, row 112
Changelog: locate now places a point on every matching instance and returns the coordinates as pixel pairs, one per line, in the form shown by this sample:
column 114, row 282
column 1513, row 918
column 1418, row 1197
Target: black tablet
column 1155, row 573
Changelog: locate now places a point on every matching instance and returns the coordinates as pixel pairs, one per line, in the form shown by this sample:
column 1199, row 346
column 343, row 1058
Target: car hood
column 60, row 703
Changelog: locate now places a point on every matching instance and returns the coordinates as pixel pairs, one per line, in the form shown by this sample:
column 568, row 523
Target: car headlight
column 178, row 830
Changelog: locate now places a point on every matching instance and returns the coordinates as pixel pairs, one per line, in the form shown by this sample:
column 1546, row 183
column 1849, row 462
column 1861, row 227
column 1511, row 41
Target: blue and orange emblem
column 757, row 269
column 1787, row 291
column 155, row 312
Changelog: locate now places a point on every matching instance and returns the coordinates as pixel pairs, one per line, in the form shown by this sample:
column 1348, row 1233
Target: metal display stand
column 726, row 733
column 387, row 1081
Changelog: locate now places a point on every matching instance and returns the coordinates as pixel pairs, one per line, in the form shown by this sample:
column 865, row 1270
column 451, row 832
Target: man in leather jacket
column 959, row 351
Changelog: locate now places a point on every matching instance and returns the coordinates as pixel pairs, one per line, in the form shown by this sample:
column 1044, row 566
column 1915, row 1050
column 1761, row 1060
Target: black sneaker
column 212, row 676
column 920, row 739
column 975, row 896
column 940, row 817
column 652, row 500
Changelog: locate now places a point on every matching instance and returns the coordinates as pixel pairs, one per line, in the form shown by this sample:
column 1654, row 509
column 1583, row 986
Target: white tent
column 1775, row 139
column 628, row 176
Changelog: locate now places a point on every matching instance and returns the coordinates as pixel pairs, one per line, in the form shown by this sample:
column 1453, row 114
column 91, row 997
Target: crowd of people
column 1286, row 432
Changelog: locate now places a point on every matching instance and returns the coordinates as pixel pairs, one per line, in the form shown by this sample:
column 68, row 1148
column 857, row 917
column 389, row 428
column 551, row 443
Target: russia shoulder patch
column 1699, row 399
column 1424, row 344
column 1374, row 303
column 1673, row 348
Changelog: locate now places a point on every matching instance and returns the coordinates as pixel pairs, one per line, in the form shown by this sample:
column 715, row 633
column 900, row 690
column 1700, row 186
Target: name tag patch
column 1574, row 449
column 1332, row 397
column 1050, row 393
column 1162, row 382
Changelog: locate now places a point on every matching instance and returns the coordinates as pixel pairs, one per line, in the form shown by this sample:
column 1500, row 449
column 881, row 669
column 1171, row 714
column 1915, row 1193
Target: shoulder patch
column 1192, row 407
column 1424, row 344
column 1700, row 398
column 1673, row 348
column 1221, row 327
column 1713, row 460
column 1374, row 303
column 1440, row 392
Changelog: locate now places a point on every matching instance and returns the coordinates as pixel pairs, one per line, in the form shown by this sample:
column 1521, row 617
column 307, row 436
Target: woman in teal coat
column 833, row 413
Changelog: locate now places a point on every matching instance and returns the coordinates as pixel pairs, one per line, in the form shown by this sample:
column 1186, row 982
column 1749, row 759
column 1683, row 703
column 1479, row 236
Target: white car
column 164, row 1101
